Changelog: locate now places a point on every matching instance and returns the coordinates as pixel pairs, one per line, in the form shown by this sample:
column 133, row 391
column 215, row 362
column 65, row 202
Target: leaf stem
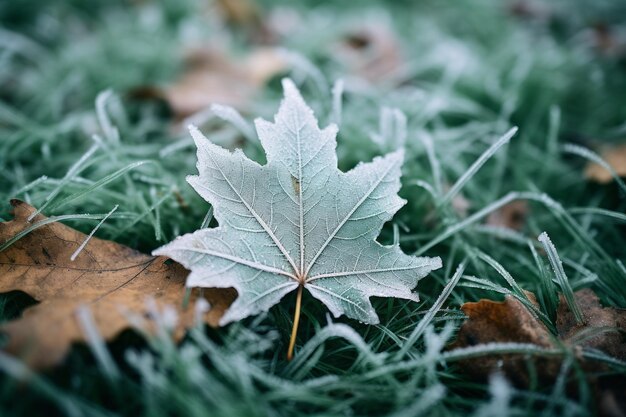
column 296, row 321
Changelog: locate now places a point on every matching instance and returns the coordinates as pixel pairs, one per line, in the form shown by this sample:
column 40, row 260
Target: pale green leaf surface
column 297, row 220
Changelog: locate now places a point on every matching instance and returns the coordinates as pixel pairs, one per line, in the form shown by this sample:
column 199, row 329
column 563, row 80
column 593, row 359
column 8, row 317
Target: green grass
column 74, row 142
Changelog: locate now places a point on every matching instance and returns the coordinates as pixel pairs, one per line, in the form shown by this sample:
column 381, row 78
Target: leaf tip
column 21, row 210
column 197, row 135
column 398, row 155
column 436, row 263
column 290, row 89
column 293, row 99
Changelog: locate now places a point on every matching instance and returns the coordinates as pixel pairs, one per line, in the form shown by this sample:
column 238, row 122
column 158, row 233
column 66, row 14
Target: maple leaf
column 113, row 280
column 297, row 222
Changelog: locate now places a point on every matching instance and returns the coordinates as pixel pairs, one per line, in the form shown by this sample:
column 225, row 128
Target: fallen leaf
column 240, row 12
column 371, row 52
column 616, row 157
column 246, row 17
column 297, row 222
column 213, row 77
column 511, row 216
column 507, row 321
column 501, row 322
column 510, row 322
column 114, row 281
column 596, row 316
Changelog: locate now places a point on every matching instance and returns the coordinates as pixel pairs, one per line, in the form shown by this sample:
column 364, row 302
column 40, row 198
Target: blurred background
column 95, row 97
column 70, row 71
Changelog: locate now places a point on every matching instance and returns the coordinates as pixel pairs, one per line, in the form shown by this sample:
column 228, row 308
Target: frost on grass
column 297, row 221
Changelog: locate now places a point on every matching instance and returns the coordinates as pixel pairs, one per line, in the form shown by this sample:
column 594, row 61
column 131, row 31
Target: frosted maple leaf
column 297, row 222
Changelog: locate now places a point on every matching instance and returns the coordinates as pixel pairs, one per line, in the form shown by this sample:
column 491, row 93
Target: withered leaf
column 211, row 76
column 510, row 322
column 371, row 52
column 246, row 17
column 616, row 157
column 612, row 343
column 507, row 321
column 112, row 280
column 511, row 216
column 240, row 12
column 502, row 322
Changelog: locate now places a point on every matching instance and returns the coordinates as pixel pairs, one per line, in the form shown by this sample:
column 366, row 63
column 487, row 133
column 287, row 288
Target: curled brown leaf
column 112, row 280
column 510, row 321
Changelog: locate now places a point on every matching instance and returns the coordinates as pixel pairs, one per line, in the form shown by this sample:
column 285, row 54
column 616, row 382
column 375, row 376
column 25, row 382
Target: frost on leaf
column 298, row 220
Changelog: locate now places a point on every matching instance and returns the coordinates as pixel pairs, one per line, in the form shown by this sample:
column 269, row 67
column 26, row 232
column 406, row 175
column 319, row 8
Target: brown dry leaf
column 112, row 280
column 213, row 77
column 247, row 17
column 511, row 216
column 240, row 12
column 596, row 317
column 502, row 322
column 510, row 322
column 507, row 321
column 371, row 52
column 616, row 157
